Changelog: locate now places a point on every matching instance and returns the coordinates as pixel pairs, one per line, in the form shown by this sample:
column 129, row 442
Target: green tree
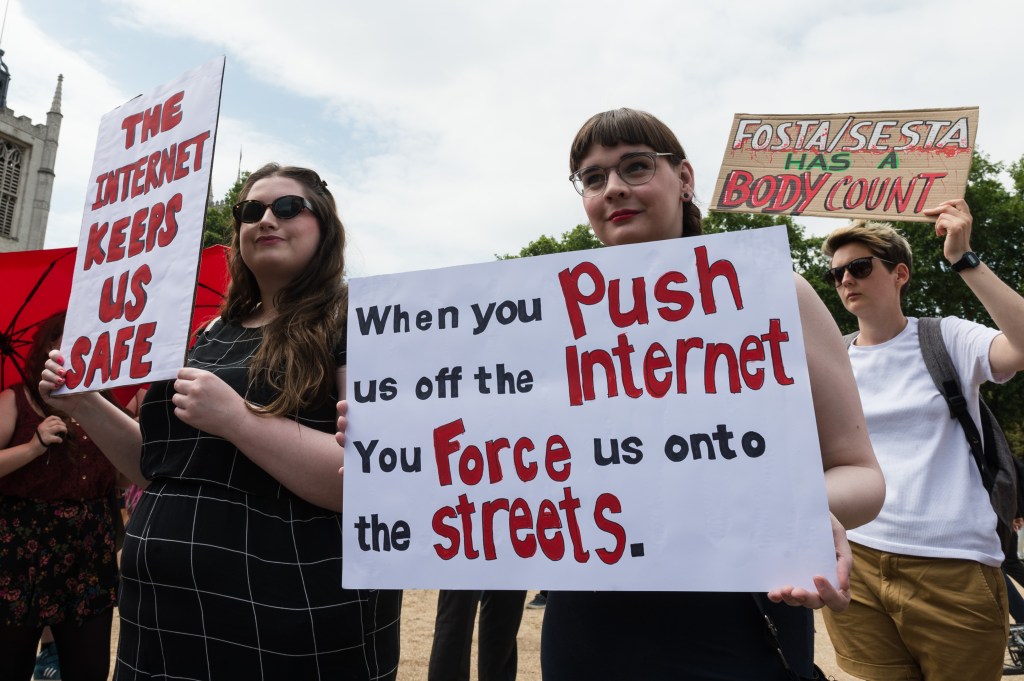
column 805, row 250
column 579, row 238
column 218, row 227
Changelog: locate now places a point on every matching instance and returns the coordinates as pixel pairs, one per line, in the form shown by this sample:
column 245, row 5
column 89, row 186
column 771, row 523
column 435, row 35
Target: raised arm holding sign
column 943, row 520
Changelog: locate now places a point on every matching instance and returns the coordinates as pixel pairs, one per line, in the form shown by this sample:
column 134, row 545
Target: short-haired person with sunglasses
column 928, row 597
column 637, row 185
column 232, row 562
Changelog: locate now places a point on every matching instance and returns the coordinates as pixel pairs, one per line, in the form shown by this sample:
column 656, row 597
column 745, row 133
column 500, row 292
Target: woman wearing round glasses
column 637, row 186
column 232, row 562
column 934, row 544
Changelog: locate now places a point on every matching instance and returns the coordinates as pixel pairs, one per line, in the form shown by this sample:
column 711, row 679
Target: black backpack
column 990, row 450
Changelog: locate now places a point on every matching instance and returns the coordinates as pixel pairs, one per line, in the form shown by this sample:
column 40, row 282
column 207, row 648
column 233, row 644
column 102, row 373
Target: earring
column 686, row 196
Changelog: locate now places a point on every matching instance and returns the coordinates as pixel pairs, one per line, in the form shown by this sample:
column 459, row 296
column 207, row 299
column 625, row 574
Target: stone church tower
column 27, row 156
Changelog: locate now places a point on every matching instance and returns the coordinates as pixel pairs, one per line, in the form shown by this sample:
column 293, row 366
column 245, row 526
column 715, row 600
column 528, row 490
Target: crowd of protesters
column 232, row 556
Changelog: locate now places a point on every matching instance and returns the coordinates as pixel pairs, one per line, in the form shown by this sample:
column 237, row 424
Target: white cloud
column 443, row 128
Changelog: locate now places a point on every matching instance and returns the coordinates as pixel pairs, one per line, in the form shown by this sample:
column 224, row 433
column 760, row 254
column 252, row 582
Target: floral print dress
column 57, row 531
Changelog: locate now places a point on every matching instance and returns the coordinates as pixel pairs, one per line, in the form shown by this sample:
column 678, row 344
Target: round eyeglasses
column 284, row 207
column 635, row 168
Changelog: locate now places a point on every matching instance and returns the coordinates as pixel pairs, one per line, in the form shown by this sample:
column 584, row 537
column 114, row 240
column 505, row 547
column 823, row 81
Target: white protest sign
column 135, row 271
column 626, row 418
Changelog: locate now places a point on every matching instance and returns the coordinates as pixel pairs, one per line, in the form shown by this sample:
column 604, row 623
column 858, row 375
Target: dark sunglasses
column 858, row 269
column 284, row 207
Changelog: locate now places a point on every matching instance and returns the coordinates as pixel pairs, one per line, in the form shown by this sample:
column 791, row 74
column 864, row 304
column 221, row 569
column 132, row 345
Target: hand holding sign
column 828, row 595
column 141, row 235
column 342, row 423
column 204, row 401
column 954, row 222
column 52, row 379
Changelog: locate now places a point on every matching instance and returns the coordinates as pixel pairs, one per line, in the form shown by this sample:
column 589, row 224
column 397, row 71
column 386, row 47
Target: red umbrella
column 211, row 286
column 37, row 284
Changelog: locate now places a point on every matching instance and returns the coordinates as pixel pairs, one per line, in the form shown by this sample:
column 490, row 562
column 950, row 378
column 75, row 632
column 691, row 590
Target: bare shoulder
column 7, row 400
column 804, row 291
column 8, row 416
column 816, row 320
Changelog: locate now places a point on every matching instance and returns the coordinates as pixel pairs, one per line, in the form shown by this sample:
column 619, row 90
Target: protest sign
column 135, row 271
column 636, row 417
column 887, row 165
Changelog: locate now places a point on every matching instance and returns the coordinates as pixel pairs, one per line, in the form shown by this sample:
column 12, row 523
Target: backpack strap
column 773, row 633
column 946, row 379
column 763, row 604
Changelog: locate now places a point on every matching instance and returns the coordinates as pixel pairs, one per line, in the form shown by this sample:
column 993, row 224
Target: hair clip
column 320, row 184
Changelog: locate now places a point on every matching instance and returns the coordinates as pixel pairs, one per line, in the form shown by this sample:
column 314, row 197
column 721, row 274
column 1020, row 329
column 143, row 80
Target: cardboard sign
column 135, row 272
column 883, row 165
column 635, row 417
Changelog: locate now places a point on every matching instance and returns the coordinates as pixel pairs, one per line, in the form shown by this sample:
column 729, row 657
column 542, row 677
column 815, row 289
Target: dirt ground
column 419, row 607
column 418, row 611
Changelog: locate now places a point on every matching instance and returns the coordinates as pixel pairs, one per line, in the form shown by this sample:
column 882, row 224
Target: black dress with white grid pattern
column 228, row 575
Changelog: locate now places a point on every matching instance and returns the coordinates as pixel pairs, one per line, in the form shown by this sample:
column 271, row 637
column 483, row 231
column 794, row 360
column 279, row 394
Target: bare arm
column 304, row 460
column 1006, row 306
column 13, row 457
column 853, row 480
column 115, row 433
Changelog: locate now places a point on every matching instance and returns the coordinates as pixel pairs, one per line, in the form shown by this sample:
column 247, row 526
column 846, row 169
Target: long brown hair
column 48, row 332
column 630, row 126
column 296, row 358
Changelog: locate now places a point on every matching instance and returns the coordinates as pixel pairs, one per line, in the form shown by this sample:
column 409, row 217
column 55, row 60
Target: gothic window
column 10, row 178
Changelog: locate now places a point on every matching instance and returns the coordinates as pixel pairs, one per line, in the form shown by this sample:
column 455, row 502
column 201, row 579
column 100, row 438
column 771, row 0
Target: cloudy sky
column 443, row 128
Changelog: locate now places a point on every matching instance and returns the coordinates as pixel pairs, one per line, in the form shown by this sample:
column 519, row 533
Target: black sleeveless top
column 174, row 449
column 639, row 636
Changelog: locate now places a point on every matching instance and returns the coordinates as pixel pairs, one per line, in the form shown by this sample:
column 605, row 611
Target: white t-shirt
column 935, row 502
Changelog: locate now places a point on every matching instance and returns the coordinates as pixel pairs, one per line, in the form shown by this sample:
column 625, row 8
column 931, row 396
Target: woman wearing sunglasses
column 935, row 539
column 637, row 186
column 232, row 564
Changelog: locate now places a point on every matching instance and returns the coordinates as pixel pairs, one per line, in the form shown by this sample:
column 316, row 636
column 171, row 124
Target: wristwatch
column 969, row 260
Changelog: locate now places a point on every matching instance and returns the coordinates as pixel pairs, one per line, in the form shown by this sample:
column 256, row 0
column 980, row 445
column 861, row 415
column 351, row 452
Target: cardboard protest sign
column 887, row 165
column 135, row 272
column 635, row 417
